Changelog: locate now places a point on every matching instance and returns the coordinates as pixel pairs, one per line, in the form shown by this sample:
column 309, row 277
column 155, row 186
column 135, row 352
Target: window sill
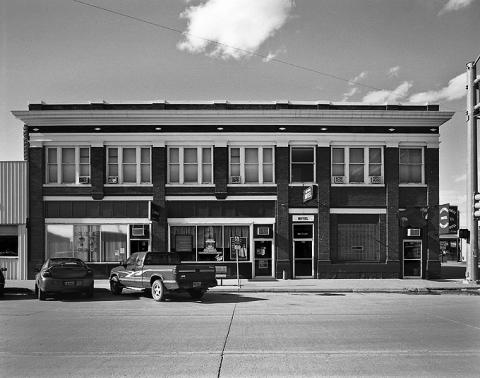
column 129, row 184
column 359, row 185
column 302, row 184
column 190, row 185
column 67, row 185
column 8, row 257
column 412, row 185
column 252, row 184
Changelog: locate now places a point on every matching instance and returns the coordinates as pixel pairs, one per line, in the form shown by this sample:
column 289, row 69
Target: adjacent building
column 13, row 218
column 281, row 189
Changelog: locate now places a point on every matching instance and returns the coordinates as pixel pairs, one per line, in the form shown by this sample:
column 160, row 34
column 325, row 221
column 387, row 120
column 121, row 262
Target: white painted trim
column 219, row 221
column 357, row 211
column 106, row 198
column 413, row 185
column 303, row 184
column 303, row 210
column 281, row 139
column 359, row 185
column 229, row 198
column 180, row 186
column 276, row 117
column 97, row 220
column 247, row 185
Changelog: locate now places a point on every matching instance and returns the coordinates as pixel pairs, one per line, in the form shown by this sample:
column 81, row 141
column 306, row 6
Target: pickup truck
column 160, row 273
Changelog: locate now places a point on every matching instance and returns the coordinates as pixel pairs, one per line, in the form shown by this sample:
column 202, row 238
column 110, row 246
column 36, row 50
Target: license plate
column 197, row 284
column 69, row 283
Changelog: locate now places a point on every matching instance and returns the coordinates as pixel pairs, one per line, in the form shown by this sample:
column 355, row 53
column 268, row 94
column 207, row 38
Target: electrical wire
column 249, row 52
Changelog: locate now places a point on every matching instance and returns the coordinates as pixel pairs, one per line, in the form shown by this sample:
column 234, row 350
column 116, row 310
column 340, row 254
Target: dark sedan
column 63, row 275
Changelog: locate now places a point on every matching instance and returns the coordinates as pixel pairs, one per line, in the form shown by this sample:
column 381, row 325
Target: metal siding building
column 13, row 218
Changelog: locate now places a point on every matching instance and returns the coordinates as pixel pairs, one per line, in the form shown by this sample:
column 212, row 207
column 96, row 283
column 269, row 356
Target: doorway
column 263, row 258
column 412, row 259
column 303, row 250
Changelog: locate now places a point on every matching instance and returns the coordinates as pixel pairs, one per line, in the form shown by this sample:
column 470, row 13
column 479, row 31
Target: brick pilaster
column 391, row 168
column 282, row 242
column 323, row 181
column 159, row 177
column 220, row 166
column 36, row 224
column 432, row 250
column 97, row 171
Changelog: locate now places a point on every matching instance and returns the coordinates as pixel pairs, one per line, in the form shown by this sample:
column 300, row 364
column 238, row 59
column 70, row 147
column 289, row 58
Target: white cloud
column 238, row 27
column 352, row 82
column 384, row 95
column 273, row 55
column 453, row 5
column 393, row 72
column 453, row 91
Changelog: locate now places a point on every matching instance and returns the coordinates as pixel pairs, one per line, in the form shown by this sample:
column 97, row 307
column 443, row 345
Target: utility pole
column 471, row 273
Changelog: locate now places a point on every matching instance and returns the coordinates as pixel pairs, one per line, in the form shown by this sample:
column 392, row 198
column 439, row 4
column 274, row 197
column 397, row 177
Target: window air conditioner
column 376, row 180
column 235, row 179
column 339, row 179
column 84, row 179
column 112, row 180
column 138, row 231
column 263, row 231
column 413, row 232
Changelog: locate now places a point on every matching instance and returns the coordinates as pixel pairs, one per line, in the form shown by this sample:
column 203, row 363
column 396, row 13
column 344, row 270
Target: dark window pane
column 302, row 172
column 302, row 154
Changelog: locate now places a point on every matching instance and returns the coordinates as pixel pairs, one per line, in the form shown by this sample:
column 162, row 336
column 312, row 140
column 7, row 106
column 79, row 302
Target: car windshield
column 66, row 263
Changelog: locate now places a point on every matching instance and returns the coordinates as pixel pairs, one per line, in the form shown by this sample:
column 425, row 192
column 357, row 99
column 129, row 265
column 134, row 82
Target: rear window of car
column 161, row 258
column 66, row 262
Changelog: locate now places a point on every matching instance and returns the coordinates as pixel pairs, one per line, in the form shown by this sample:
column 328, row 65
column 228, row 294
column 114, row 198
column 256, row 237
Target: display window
column 210, row 242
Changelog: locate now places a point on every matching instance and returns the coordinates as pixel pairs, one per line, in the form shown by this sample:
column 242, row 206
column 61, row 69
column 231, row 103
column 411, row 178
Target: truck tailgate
column 195, row 273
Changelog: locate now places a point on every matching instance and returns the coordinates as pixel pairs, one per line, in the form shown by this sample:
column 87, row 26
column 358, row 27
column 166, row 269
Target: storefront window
column 91, row 243
column 8, row 245
column 211, row 243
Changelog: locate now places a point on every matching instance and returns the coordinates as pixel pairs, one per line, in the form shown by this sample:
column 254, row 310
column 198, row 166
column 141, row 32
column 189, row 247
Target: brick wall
column 159, row 179
column 282, row 237
column 220, row 174
column 97, row 172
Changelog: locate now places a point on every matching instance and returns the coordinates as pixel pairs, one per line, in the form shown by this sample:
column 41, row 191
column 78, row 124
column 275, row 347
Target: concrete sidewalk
column 309, row 286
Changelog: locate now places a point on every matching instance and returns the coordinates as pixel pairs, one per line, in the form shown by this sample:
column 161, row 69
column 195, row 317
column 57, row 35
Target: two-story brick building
column 290, row 189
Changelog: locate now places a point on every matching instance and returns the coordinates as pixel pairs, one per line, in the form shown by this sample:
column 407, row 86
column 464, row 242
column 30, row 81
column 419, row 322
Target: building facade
column 279, row 189
column 13, row 218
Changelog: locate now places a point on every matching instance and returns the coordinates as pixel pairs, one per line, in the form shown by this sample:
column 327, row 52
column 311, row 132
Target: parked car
column 60, row 275
column 2, row 280
column 160, row 273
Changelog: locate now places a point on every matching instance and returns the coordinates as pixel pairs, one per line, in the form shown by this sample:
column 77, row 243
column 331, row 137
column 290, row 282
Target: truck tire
column 196, row 293
column 115, row 287
column 158, row 291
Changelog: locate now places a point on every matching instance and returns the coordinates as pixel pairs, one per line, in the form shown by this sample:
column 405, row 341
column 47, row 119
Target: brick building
column 291, row 189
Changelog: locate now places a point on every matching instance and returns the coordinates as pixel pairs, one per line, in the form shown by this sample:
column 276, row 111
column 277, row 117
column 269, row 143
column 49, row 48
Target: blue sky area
column 65, row 51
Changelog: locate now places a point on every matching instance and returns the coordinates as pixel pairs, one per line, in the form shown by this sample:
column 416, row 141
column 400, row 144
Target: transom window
column 128, row 165
column 411, row 166
column 302, row 166
column 68, row 165
column 251, row 165
column 190, row 165
column 357, row 165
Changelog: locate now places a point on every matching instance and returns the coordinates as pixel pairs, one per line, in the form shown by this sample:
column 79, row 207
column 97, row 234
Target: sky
column 370, row 51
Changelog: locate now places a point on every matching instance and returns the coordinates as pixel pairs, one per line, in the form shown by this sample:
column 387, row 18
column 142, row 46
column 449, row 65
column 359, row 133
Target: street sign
column 448, row 219
column 307, row 193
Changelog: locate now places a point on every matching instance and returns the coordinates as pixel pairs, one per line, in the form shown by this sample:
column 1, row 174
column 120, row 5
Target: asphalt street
column 241, row 335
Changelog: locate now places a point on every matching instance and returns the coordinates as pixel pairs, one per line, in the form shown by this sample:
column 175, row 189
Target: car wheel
column 115, row 287
column 196, row 294
column 90, row 291
column 41, row 294
column 158, row 291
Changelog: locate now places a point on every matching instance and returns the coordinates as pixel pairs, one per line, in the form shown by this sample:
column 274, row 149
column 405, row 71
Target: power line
column 249, row 52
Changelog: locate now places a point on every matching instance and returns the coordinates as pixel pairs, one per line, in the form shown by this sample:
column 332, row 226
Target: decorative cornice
column 284, row 117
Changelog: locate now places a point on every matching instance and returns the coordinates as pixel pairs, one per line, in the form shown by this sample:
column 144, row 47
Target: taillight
column 47, row 273
column 174, row 270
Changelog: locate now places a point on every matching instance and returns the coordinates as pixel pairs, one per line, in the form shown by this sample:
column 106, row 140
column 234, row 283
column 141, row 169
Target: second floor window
column 411, row 166
column 251, row 165
column 302, row 168
column 190, row 165
column 357, row 165
column 128, row 165
column 68, row 165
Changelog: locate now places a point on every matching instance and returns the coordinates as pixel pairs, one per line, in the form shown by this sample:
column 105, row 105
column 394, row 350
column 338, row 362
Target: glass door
column 412, row 258
column 303, row 250
column 263, row 258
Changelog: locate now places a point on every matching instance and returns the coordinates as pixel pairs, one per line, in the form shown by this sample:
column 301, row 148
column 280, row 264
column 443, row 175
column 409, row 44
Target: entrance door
column 303, row 250
column 412, row 258
column 263, row 258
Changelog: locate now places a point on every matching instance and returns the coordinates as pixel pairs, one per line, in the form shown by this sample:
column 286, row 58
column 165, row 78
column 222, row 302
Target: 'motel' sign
column 448, row 219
